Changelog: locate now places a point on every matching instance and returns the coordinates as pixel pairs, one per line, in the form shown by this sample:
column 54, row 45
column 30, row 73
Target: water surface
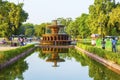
column 69, row 64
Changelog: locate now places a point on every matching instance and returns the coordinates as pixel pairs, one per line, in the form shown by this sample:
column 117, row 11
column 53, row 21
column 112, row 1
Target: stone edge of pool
column 109, row 64
column 16, row 58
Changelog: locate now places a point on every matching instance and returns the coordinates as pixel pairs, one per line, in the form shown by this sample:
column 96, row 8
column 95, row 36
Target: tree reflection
column 96, row 70
column 14, row 71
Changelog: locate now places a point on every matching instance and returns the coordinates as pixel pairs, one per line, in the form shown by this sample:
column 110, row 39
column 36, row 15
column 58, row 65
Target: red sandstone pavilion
column 56, row 35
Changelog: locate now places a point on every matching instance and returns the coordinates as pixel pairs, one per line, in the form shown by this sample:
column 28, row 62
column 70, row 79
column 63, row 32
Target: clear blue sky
column 47, row 10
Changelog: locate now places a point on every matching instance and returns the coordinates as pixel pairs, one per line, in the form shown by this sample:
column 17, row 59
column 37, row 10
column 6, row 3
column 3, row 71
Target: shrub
column 100, row 52
column 7, row 55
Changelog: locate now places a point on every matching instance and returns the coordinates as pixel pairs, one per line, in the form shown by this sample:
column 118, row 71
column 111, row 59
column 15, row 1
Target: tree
column 28, row 29
column 40, row 29
column 98, row 17
column 79, row 27
column 72, row 29
column 11, row 17
column 114, row 21
column 21, row 30
column 81, row 22
column 16, row 16
column 64, row 21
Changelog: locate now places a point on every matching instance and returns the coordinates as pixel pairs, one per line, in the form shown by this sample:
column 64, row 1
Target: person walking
column 103, row 43
column 114, row 42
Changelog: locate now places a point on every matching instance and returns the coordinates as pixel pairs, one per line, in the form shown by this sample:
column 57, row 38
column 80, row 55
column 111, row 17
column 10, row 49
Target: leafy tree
column 79, row 27
column 11, row 17
column 29, row 29
column 21, row 30
column 40, row 29
column 72, row 29
column 81, row 22
column 114, row 21
column 64, row 21
column 98, row 17
column 16, row 16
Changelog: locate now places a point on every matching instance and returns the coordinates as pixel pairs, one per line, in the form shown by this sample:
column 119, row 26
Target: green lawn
column 108, row 45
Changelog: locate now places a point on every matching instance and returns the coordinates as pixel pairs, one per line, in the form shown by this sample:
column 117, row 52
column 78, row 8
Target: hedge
column 109, row 55
column 7, row 55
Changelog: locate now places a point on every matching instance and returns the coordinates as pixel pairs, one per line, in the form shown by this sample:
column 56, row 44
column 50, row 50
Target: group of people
column 113, row 42
column 21, row 41
column 3, row 41
column 103, row 43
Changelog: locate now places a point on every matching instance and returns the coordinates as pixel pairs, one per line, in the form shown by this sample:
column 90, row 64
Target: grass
column 8, row 54
column 108, row 45
column 109, row 55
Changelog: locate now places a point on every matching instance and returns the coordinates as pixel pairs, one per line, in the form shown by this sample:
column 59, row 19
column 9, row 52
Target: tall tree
column 81, row 22
column 64, row 21
column 29, row 29
column 40, row 29
column 99, row 16
column 114, row 21
column 72, row 29
column 11, row 17
column 79, row 27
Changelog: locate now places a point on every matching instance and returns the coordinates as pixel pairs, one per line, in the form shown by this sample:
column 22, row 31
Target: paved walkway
column 109, row 64
column 7, row 48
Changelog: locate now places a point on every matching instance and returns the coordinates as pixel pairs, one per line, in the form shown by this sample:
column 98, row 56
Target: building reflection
column 54, row 54
column 54, row 40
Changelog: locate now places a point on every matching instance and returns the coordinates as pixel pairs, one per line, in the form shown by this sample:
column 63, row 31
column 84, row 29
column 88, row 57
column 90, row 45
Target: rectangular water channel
column 57, row 64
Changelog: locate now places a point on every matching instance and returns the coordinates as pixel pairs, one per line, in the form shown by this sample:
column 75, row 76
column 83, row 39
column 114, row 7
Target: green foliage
column 102, row 17
column 11, row 17
column 15, row 71
column 81, row 22
column 21, row 30
column 96, row 70
column 26, row 29
column 72, row 29
column 114, row 21
column 40, row 29
column 64, row 21
column 100, row 52
column 79, row 27
column 7, row 55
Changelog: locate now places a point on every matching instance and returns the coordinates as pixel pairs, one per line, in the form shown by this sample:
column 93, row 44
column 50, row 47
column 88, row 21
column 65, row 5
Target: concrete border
column 109, row 64
column 53, row 46
column 16, row 58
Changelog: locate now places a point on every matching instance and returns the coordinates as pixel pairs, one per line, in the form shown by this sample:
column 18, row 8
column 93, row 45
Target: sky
column 41, row 11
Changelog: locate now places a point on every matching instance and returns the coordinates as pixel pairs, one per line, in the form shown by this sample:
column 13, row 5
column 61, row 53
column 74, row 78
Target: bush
column 7, row 55
column 100, row 52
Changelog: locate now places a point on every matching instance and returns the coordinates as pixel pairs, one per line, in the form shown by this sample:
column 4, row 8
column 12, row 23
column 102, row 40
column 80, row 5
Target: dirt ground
column 7, row 48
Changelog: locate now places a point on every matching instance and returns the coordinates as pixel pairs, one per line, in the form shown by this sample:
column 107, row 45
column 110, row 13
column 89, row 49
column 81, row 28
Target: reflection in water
column 21, row 69
column 54, row 54
column 55, row 58
column 14, row 71
column 96, row 70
